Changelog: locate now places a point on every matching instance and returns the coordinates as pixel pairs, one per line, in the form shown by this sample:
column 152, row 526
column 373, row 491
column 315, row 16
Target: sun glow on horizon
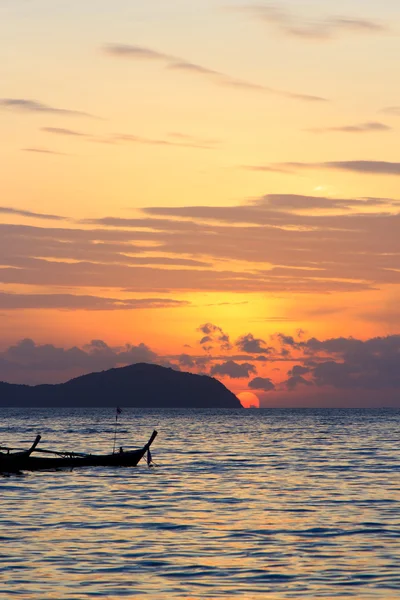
column 249, row 400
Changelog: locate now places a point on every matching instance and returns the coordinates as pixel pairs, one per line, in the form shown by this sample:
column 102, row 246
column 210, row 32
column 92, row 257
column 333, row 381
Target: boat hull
column 10, row 463
column 38, row 463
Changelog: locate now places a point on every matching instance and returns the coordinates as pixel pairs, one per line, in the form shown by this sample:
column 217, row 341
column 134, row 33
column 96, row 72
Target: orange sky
column 168, row 167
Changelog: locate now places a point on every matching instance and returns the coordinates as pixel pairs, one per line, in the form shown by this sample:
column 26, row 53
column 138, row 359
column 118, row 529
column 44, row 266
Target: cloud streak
column 24, row 105
column 9, row 301
column 174, row 140
column 7, row 210
column 392, row 110
column 136, row 139
column 177, row 64
column 43, row 151
column 63, row 131
column 279, row 243
column 373, row 167
column 369, row 127
column 304, row 28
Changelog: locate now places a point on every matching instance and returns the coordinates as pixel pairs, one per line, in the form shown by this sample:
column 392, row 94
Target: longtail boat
column 15, row 460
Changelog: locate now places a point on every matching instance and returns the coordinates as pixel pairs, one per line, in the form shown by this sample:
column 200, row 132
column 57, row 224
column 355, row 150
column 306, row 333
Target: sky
column 211, row 186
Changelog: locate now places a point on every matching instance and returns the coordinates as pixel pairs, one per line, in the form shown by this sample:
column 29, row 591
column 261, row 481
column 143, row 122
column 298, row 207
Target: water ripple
column 252, row 504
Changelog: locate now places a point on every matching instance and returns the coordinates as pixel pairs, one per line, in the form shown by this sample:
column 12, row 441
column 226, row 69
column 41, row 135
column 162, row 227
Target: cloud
column 174, row 140
column 272, row 209
column 298, row 370
column 28, row 362
column 311, row 29
column 140, row 223
column 198, row 363
column 216, row 77
column 130, row 51
column 296, row 380
column 10, row 301
column 7, row 210
column 32, row 106
column 278, row 319
column 333, row 368
column 135, row 139
column 248, row 343
column 290, row 202
column 384, row 314
column 349, row 363
column 228, row 303
column 261, row 383
column 351, row 349
column 392, row 110
column 63, row 131
column 378, row 167
column 372, row 126
column 272, row 245
column 322, row 312
column 286, row 340
column 374, row 167
column 233, row 370
column 214, row 335
column 43, row 151
column 187, row 361
column 185, row 137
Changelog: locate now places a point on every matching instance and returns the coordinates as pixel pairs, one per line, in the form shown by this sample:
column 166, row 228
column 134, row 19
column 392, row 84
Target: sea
column 247, row 504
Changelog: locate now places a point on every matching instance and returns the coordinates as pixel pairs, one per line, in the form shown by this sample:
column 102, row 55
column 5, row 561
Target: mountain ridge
column 138, row 385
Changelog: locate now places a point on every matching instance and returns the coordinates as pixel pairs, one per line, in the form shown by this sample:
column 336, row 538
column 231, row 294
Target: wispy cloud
column 216, row 77
column 136, row 139
column 369, row 127
column 392, row 110
column 7, row 210
column 178, row 140
column 44, row 151
column 295, row 202
column 193, row 139
column 322, row 29
column 32, row 106
column 63, row 131
column 375, row 167
column 278, row 244
column 10, row 301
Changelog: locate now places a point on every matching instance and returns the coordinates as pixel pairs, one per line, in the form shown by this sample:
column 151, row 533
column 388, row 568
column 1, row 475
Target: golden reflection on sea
column 242, row 504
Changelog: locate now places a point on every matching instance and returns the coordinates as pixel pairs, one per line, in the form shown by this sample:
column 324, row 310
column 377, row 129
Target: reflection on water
column 249, row 504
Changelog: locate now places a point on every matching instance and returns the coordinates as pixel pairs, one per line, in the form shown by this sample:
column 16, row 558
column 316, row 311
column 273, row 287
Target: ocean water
column 242, row 504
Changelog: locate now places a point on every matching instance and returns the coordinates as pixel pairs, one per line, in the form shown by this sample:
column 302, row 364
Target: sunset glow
column 249, row 400
column 214, row 188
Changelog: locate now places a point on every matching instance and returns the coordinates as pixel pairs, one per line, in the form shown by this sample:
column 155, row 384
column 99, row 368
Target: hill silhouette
column 139, row 385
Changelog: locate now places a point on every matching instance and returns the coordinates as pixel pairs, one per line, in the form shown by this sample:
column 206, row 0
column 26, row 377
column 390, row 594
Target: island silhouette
column 140, row 385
